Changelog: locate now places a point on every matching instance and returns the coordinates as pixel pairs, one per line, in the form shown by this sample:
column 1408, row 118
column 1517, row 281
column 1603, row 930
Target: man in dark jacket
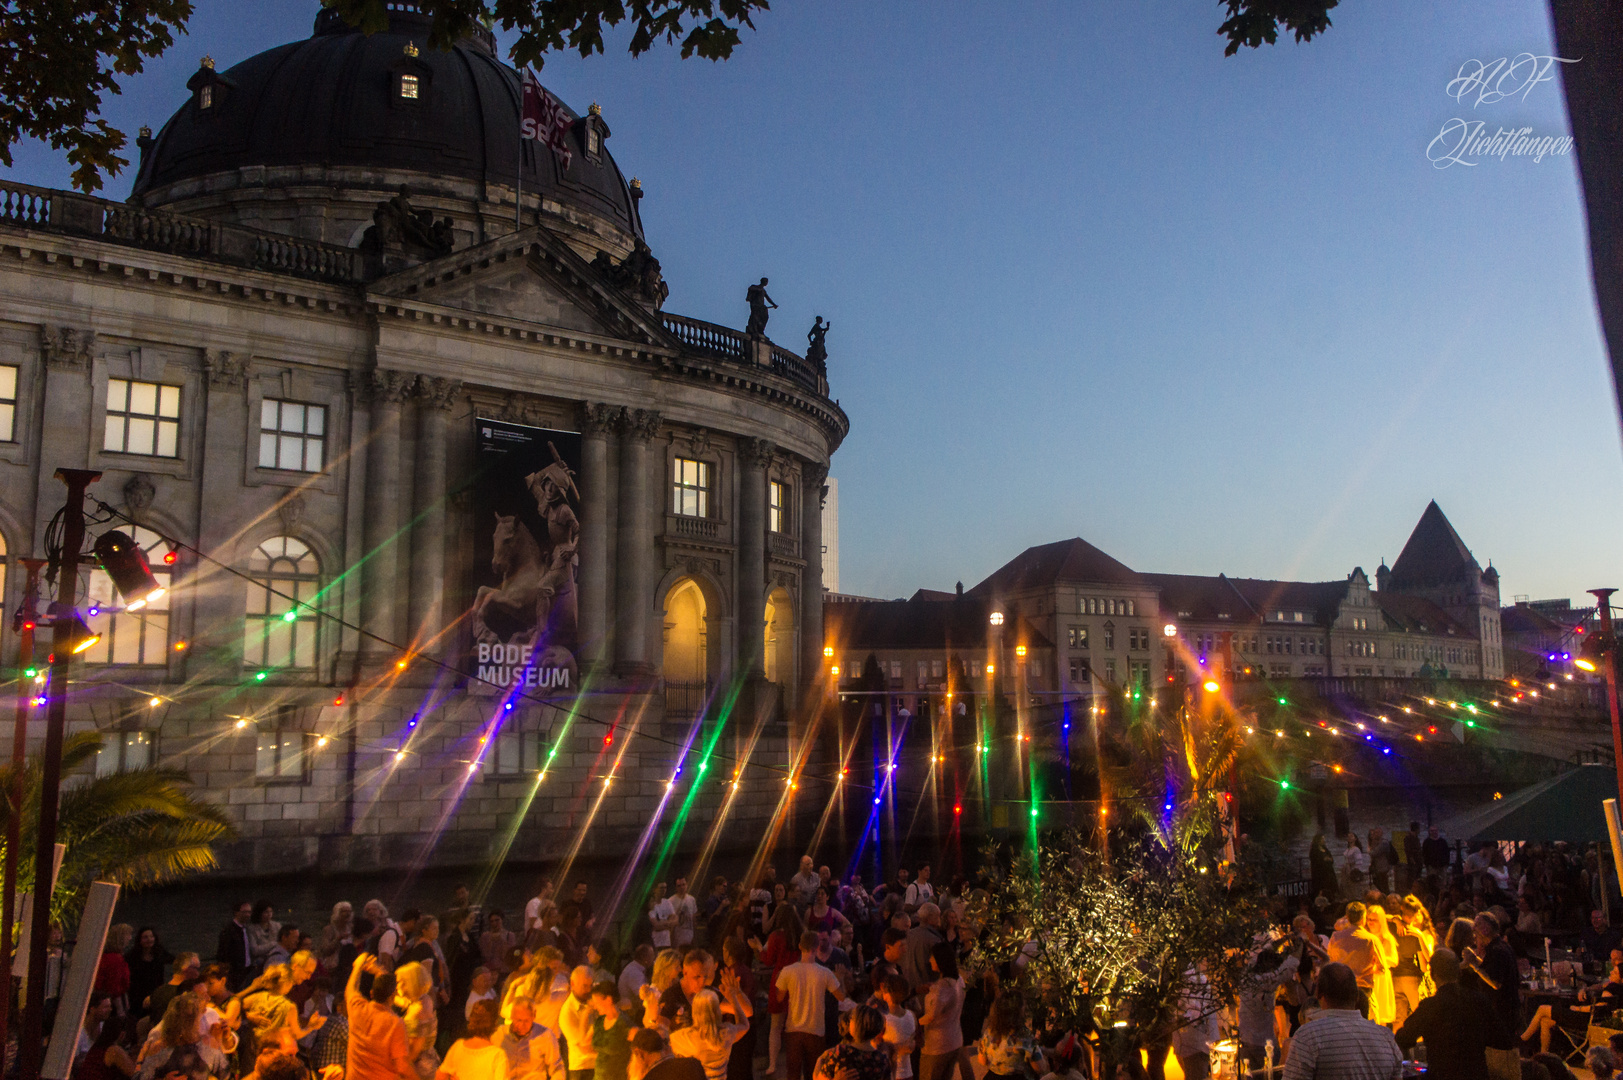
column 233, row 949
column 1434, row 853
column 1453, row 1023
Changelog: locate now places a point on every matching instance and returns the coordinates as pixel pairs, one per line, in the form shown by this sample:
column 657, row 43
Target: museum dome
column 343, row 108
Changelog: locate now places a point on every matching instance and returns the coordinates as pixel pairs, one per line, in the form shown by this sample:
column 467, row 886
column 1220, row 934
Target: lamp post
column 27, row 620
column 1608, row 657
column 31, row 1045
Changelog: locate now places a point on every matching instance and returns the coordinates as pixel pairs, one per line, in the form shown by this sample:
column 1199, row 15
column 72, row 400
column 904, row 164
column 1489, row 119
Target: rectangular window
column 130, row 637
column 692, row 487
column 282, row 755
column 142, row 418
column 1110, row 637
column 1313, row 669
column 516, row 752
column 896, row 670
column 409, row 87
column 938, row 669
column 1138, row 638
column 292, row 436
column 1077, row 637
column 777, row 502
column 924, row 672
column 1279, row 671
column 1110, row 671
column 8, row 403
column 125, row 751
column 1139, row 672
column 1036, row 668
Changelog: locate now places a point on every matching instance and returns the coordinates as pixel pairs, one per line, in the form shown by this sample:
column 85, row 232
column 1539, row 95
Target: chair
column 1599, row 1033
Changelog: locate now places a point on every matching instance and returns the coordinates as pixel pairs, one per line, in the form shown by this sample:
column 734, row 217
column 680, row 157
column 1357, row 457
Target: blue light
column 1369, row 738
column 508, row 705
column 876, row 802
column 1386, row 749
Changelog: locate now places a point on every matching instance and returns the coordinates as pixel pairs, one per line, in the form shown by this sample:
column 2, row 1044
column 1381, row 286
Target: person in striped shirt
column 1338, row 1043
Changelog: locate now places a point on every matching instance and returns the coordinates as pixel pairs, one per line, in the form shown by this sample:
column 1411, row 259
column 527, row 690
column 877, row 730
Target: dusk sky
column 1087, row 276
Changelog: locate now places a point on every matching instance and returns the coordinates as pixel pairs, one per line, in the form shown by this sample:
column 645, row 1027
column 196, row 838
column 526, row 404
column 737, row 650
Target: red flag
column 545, row 118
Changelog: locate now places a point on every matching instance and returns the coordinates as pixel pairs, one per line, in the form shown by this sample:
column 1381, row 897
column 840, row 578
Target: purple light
column 876, row 802
column 508, row 706
column 1386, row 749
column 94, row 611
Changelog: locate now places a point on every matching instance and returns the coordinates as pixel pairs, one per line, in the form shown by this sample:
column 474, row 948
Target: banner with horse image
column 527, row 531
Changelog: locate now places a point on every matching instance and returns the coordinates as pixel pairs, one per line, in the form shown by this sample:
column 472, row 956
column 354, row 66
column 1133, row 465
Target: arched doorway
column 687, row 657
column 779, row 660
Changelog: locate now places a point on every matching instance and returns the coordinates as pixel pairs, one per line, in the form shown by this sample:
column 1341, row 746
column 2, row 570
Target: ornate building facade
column 293, row 354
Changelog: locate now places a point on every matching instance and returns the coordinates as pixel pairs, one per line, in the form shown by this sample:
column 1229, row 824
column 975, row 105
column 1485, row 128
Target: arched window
column 279, row 631
column 131, row 637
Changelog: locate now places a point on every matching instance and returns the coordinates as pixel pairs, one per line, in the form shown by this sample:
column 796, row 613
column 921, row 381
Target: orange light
column 180, row 646
column 1211, row 686
column 835, row 670
column 1335, row 768
column 989, row 669
column 339, row 700
column 1020, row 650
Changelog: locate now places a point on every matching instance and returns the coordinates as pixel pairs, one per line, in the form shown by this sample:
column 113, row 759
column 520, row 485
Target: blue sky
column 1089, row 277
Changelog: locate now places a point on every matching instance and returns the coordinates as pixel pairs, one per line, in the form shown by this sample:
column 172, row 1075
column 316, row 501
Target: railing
column 154, row 230
column 706, row 337
column 685, row 700
column 695, row 527
column 790, row 366
column 781, row 544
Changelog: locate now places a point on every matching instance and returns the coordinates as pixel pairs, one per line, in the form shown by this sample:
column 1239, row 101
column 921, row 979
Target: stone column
column 754, row 455
column 596, row 422
column 214, row 631
column 435, row 398
column 379, row 615
column 635, row 546
column 812, row 476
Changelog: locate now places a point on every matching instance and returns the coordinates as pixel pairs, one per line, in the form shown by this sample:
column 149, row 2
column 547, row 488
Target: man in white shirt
column 575, row 1021
column 804, row 984
column 686, row 907
column 803, row 886
column 532, row 1050
column 635, row 974
column 662, row 917
column 920, row 892
column 1338, row 1044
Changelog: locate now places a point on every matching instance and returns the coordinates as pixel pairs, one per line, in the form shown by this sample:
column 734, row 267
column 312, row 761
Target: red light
column 608, row 740
column 1431, row 730
column 28, row 624
column 169, row 558
column 958, row 809
column 339, row 700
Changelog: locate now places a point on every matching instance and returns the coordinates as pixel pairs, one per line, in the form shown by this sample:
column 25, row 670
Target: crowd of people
column 818, row 978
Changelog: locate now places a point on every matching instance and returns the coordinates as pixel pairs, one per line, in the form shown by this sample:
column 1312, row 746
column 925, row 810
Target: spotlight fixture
column 80, row 636
column 122, row 559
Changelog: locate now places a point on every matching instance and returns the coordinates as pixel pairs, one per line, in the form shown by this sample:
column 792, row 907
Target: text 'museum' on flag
column 544, row 117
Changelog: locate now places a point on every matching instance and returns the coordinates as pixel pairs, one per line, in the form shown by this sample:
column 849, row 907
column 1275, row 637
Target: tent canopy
column 1567, row 807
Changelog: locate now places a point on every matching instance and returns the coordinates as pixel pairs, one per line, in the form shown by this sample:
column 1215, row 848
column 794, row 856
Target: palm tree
column 137, row 828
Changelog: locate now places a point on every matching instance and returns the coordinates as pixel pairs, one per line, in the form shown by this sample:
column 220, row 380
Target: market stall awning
column 1567, row 807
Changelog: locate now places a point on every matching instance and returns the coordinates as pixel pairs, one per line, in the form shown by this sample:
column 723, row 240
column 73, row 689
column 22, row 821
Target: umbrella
column 1567, row 807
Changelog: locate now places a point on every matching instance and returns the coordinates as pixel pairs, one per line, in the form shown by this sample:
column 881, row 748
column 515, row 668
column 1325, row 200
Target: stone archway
column 686, row 636
column 779, row 649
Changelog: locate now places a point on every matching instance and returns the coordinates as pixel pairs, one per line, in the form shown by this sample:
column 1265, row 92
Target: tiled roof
column 1243, row 600
column 1418, row 616
column 1435, row 555
column 1073, row 560
column 919, row 624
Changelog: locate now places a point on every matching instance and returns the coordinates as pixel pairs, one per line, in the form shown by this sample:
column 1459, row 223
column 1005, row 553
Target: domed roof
column 334, row 100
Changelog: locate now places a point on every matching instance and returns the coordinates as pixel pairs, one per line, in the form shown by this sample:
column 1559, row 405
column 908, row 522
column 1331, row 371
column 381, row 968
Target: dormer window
column 409, row 78
column 410, row 87
column 594, row 141
column 594, row 131
column 208, row 88
column 205, row 97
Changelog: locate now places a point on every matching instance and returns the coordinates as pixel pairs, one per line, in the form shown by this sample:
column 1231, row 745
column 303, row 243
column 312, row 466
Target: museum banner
column 524, row 613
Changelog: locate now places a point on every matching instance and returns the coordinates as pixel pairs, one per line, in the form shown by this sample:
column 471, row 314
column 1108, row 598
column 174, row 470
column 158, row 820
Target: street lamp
column 1169, row 630
column 996, row 618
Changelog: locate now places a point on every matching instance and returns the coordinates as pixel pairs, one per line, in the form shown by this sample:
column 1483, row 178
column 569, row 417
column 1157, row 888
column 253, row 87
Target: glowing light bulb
column 155, row 702
column 322, row 741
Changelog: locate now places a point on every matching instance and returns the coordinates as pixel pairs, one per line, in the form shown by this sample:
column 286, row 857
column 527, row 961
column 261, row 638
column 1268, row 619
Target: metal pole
column 1608, row 657
column 31, row 1048
column 28, row 616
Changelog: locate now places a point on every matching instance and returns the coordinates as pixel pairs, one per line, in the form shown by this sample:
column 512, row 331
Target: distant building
column 1542, row 637
column 831, row 535
column 1090, row 624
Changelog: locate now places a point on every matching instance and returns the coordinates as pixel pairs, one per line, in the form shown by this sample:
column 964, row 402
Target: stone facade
column 355, row 749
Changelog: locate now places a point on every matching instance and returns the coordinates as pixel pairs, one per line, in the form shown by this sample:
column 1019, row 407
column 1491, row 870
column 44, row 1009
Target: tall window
column 409, row 87
column 692, row 487
column 282, row 753
column 279, row 631
column 292, row 435
column 8, row 403
column 125, row 751
column 777, row 502
column 516, row 752
column 131, row 637
column 1139, row 672
column 142, row 418
column 1110, row 638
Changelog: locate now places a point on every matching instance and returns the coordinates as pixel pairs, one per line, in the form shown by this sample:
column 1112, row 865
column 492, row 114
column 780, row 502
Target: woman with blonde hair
column 1383, row 1004
column 181, row 1047
column 339, row 931
column 414, row 996
column 667, row 970
column 709, row 1040
column 273, row 1017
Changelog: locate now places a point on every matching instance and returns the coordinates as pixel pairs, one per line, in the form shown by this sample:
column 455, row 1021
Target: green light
column 1033, row 811
column 1471, row 709
column 1135, row 695
column 1470, row 723
column 291, row 615
column 31, row 672
column 261, row 676
column 1284, row 785
column 703, row 765
column 1282, row 701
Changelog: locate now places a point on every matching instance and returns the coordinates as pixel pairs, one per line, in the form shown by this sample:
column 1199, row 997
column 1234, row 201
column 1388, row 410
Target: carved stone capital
column 438, row 393
column 596, row 418
column 756, row 453
column 389, row 387
column 225, row 370
column 66, row 346
column 813, row 473
column 639, row 424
